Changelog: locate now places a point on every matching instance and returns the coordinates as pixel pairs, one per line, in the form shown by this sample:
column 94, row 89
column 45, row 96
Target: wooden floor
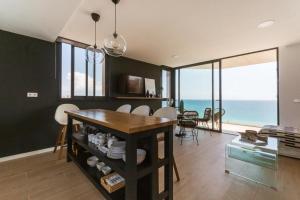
column 201, row 168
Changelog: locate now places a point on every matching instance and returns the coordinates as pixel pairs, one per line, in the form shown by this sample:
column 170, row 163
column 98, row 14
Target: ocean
column 243, row 112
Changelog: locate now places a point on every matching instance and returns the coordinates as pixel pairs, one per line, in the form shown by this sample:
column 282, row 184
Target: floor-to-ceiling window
column 241, row 91
column 249, row 91
column 165, row 88
column 177, row 84
column 196, row 90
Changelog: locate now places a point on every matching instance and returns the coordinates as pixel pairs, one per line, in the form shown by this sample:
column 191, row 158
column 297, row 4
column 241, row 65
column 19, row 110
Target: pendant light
column 93, row 54
column 115, row 44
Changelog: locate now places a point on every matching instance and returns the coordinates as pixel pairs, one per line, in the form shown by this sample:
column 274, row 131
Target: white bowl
column 92, row 161
column 140, row 156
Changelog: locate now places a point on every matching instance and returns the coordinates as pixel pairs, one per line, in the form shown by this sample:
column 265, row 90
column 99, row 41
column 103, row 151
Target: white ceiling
column 43, row 19
column 195, row 30
column 243, row 60
column 250, row 59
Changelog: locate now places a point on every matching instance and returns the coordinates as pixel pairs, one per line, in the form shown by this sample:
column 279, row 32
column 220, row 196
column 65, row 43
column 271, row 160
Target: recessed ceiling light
column 266, row 24
column 175, row 56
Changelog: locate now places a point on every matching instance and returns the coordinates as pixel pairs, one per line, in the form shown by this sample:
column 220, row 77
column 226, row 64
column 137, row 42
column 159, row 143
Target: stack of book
column 112, row 182
column 289, row 139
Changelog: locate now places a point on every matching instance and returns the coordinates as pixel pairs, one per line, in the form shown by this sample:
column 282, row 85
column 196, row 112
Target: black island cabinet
column 141, row 181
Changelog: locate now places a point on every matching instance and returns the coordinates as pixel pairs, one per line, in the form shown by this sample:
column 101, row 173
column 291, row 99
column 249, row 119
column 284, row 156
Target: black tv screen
column 135, row 85
column 129, row 84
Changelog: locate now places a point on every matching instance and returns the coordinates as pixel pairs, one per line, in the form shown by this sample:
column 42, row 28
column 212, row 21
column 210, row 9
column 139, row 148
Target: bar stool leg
column 197, row 136
column 174, row 163
column 175, row 169
column 58, row 138
column 62, row 142
column 182, row 134
column 77, row 128
column 193, row 134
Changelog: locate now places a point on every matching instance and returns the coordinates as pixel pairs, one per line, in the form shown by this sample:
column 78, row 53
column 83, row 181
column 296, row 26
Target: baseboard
column 23, row 155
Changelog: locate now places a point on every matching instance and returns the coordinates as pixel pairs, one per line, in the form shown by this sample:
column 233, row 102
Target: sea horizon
column 243, row 112
column 234, row 99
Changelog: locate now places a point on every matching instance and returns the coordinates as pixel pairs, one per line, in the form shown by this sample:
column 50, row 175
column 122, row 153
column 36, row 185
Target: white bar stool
column 141, row 110
column 62, row 119
column 170, row 113
column 126, row 108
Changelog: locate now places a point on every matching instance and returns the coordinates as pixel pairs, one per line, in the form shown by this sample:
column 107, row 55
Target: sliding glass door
column 241, row 91
column 250, row 91
column 198, row 89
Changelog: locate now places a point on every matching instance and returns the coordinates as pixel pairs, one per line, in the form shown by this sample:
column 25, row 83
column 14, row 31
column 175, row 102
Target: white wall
column 289, row 85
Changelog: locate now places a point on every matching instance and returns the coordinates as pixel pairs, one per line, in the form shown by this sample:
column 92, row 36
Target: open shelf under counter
column 117, row 165
column 94, row 176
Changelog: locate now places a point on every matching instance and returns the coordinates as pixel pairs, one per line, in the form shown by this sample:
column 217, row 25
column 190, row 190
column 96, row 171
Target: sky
column 79, row 74
column 253, row 82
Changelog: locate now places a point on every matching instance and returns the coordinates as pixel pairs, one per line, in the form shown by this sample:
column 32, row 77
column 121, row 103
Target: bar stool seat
column 143, row 110
column 124, row 108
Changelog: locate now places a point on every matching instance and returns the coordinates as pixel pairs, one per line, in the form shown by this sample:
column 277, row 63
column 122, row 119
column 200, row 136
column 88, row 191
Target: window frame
column 74, row 44
column 219, row 60
column 169, row 82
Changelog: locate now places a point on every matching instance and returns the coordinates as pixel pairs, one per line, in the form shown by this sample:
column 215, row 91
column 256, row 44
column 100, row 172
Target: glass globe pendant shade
column 93, row 54
column 115, row 45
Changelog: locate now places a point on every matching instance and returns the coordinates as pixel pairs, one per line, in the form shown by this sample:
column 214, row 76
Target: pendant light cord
column 95, row 35
column 115, row 33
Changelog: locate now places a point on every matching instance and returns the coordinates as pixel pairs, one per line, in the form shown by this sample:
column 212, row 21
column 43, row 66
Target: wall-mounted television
column 129, row 84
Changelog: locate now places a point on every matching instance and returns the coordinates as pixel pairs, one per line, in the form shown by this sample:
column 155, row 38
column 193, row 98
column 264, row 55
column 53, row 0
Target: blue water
column 256, row 113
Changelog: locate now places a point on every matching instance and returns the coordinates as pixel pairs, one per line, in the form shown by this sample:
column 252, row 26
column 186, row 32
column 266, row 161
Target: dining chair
column 62, row 119
column 143, row 110
column 170, row 113
column 188, row 120
column 126, row 108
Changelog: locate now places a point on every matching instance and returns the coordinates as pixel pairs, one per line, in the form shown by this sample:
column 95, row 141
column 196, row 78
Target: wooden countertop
column 124, row 122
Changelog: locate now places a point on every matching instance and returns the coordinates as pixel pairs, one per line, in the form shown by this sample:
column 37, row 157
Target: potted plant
column 181, row 106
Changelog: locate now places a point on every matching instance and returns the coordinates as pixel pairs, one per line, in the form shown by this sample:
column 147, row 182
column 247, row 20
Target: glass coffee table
column 257, row 161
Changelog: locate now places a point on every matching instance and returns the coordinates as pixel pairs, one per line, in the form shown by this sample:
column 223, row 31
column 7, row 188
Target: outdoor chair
column 217, row 116
column 206, row 117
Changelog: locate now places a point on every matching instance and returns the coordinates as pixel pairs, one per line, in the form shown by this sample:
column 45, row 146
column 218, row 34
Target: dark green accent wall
column 28, row 65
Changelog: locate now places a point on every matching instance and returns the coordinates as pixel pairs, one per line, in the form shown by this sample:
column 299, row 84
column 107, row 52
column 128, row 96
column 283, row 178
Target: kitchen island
column 141, row 181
